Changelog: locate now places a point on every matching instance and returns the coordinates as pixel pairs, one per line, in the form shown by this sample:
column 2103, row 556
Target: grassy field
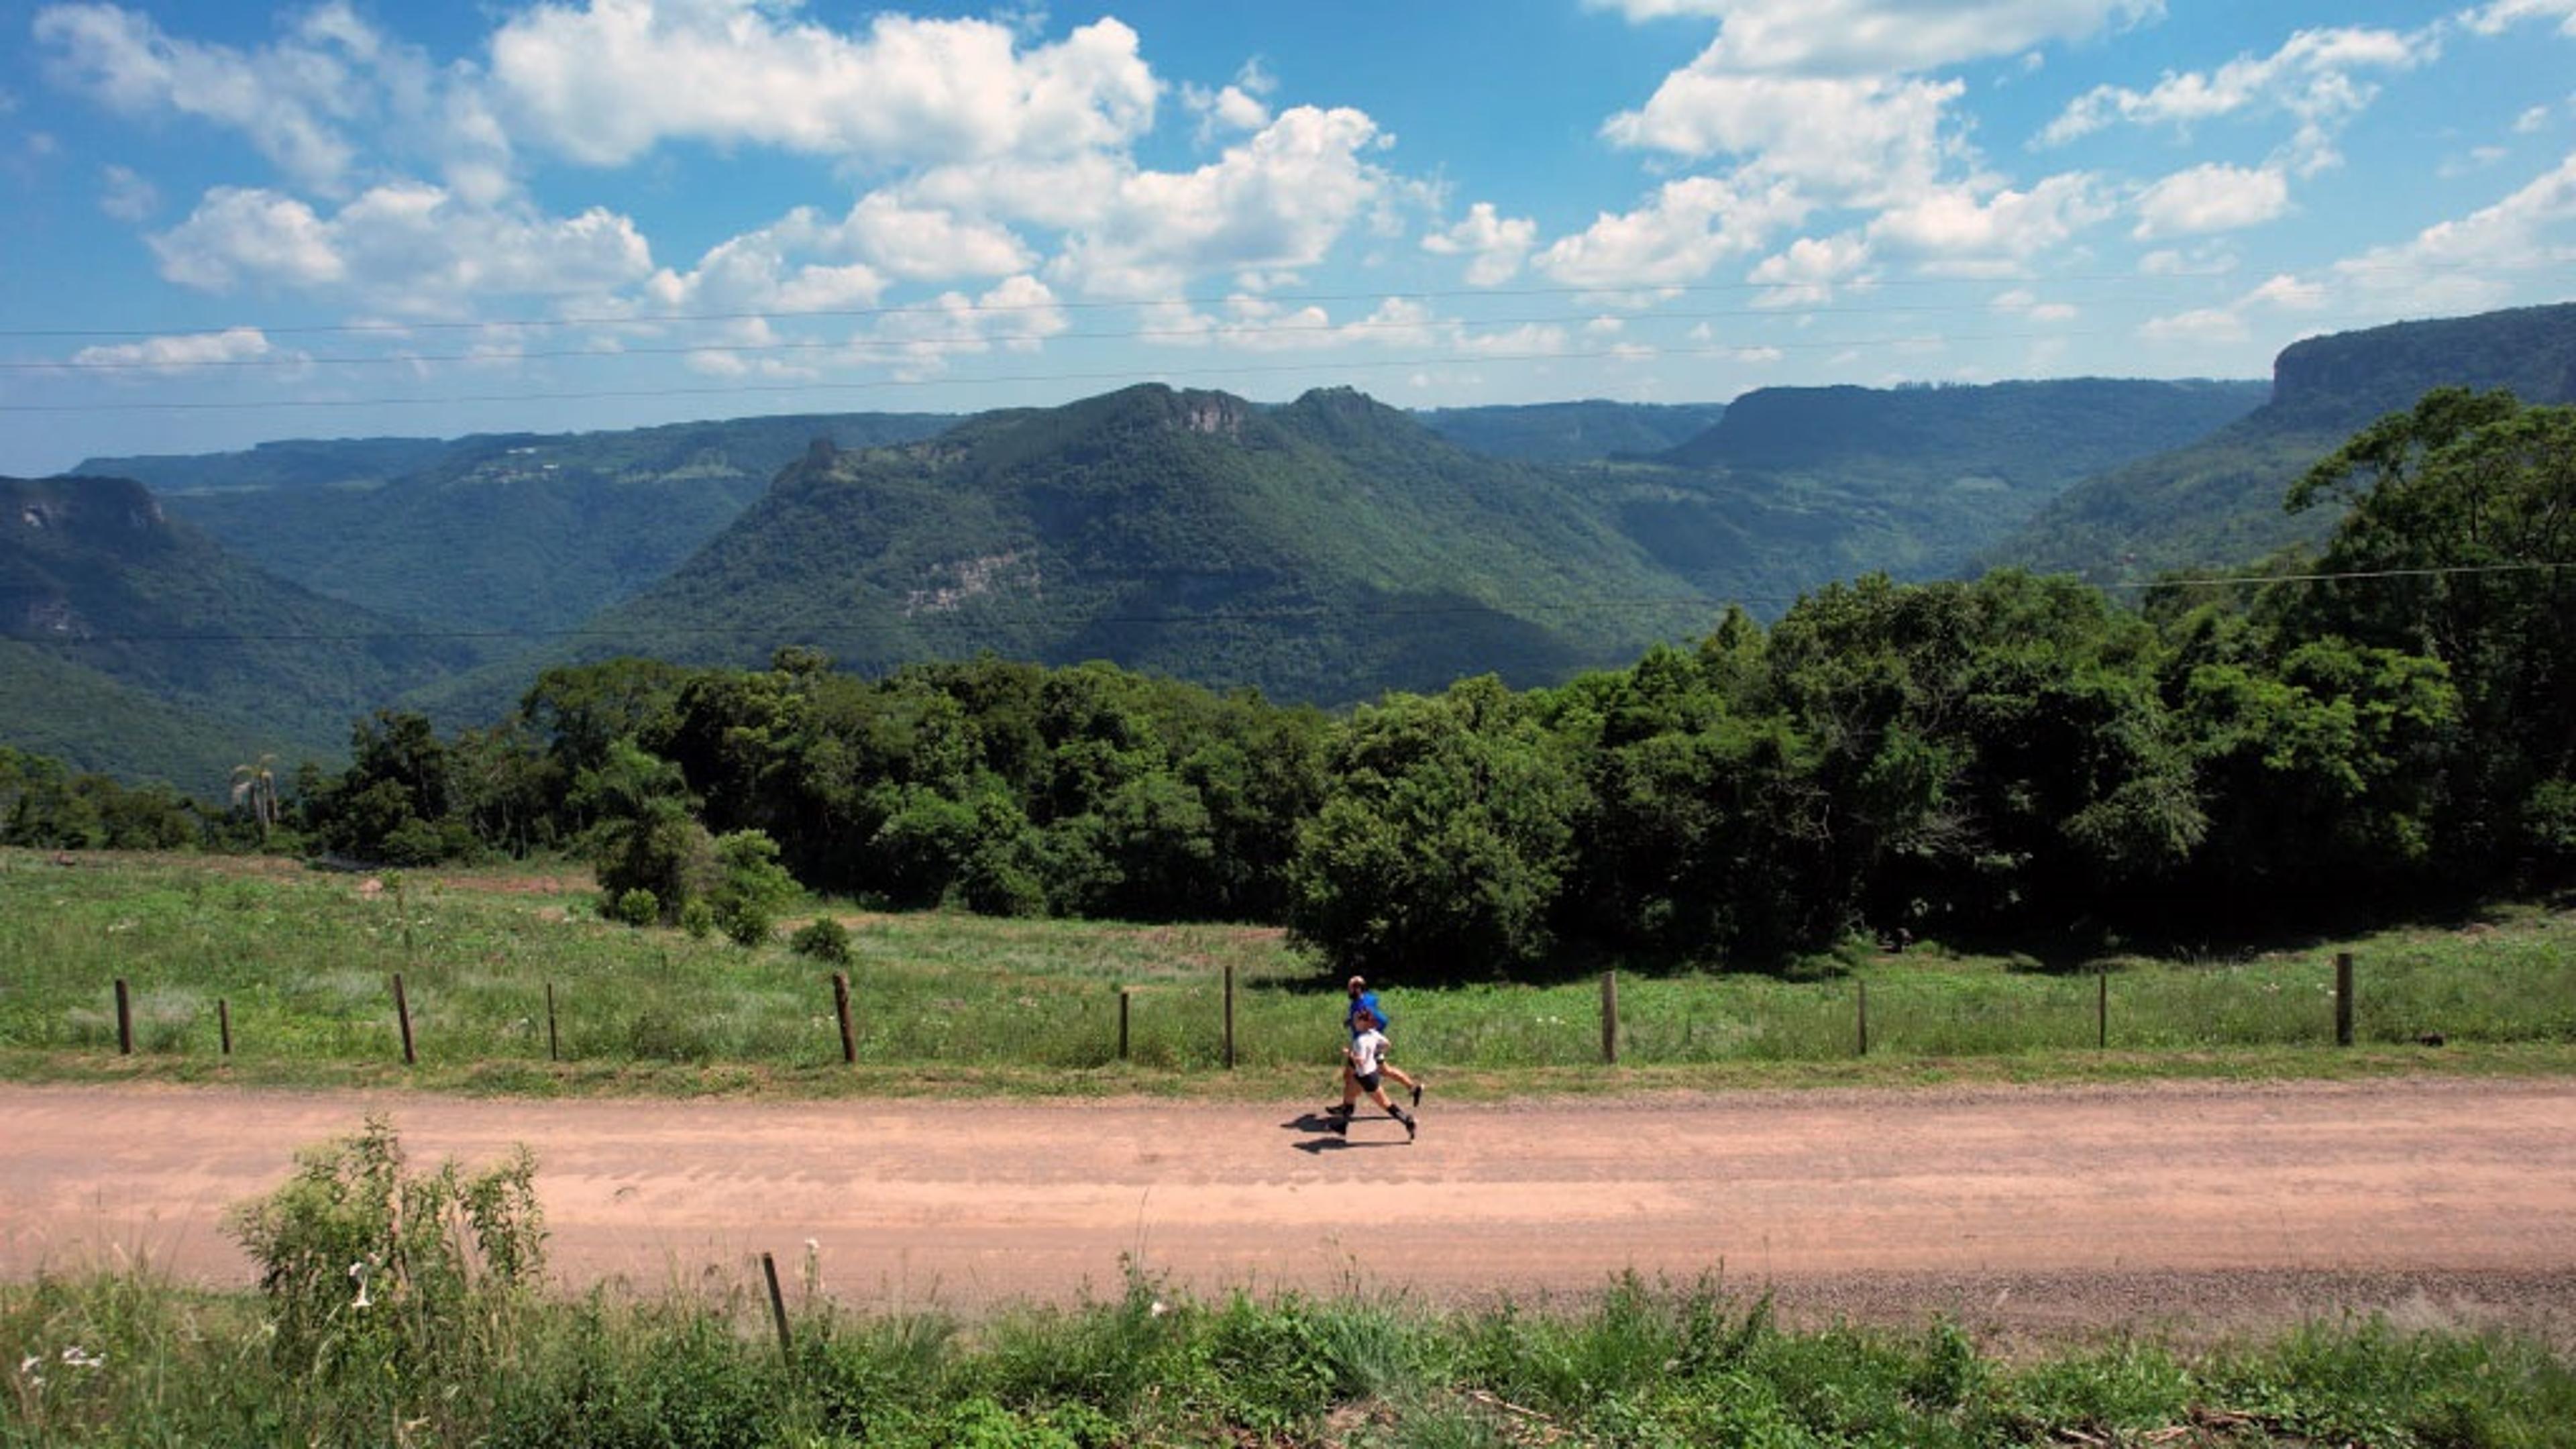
column 302, row 962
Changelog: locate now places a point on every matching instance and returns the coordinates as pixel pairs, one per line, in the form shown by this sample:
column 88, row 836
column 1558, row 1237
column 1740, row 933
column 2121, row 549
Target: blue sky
column 233, row 222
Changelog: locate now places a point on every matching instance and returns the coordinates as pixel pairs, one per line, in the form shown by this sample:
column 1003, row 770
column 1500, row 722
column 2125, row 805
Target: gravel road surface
column 2047, row 1210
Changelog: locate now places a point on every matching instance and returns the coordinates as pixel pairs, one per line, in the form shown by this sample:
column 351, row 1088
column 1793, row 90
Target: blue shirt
column 1368, row 1000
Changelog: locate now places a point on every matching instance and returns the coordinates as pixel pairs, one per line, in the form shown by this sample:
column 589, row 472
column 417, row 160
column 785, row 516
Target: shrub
column 383, row 1284
column 637, row 906
column 751, row 886
column 825, row 939
column 698, row 919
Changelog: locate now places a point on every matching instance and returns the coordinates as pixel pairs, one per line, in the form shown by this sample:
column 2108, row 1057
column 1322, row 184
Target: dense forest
column 2391, row 723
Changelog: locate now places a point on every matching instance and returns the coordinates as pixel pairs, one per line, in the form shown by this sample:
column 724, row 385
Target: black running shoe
column 1417, row 1094
column 1408, row 1129
column 1338, row 1109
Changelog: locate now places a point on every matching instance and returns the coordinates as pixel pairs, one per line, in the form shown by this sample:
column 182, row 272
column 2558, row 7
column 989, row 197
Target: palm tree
column 257, row 783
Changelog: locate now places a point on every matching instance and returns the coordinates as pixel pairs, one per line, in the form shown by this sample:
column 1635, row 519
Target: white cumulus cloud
column 1495, row 245
column 607, row 81
column 409, row 248
column 1274, row 203
column 313, row 101
column 1955, row 229
column 2495, row 18
column 2211, row 198
column 2316, row 77
column 1684, row 232
column 1863, row 140
column 184, row 351
column 289, row 99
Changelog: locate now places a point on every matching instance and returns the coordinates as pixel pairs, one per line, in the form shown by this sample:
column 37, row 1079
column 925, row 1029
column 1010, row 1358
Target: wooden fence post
column 554, row 1039
column 224, row 1023
column 2102, row 1009
column 1229, row 1018
column 1864, row 1018
column 402, row 1012
column 124, row 1020
column 1610, row 1018
column 777, row 1307
column 1122, row 1023
column 2343, row 998
column 841, row 1009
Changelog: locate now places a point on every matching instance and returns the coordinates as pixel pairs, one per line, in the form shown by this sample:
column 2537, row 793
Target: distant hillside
column 2217, row 502
column 65, row 711
column 2024, row 435
column 1797, row 486
column 1572, row 432
column 524, row 533
column 296, row 464
column 96, row 578
column 1325, row 550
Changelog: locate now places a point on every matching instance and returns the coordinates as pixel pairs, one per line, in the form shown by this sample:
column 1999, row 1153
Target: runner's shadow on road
column 1325, row 1139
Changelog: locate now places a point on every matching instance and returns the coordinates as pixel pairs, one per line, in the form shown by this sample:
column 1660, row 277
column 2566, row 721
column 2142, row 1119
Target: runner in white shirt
column 1367, row 1055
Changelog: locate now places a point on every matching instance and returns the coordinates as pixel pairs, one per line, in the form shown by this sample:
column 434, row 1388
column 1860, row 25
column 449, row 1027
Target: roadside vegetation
column 403, row 1306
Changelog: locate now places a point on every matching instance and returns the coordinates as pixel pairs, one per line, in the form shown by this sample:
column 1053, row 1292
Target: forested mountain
column 2024, row 436
column 1326, row 550
column 52, row 706
column 1796, row 487
column 1572, row 432
column 2217, row 502
column 513, row 532
column 132, row 605
column 290, row 465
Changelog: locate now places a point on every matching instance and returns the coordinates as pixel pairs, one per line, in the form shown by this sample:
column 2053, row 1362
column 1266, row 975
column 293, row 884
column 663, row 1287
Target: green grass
column 131, row 1359
column 303, row 961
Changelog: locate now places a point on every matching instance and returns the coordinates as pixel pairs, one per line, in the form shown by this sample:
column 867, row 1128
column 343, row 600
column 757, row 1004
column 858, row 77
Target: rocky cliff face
column 94, row 511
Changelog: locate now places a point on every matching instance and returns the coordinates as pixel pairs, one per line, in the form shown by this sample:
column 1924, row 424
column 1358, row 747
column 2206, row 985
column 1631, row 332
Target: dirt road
column 2441, row 1200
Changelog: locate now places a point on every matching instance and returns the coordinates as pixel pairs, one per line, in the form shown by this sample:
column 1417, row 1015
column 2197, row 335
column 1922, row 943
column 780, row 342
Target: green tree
column 1443, row 840
column 645, row 836
column 2457, row 544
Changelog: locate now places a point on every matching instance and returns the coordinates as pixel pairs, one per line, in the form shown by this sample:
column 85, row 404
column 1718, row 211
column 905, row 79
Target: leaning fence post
column 1864, row 1018
column 124, row 1020
column 1610, row 1018
column 554, row 1041
column 777, row 1307
column 1229, row 1018
column 224, row 1023
column 2343, row 998
column 1122, row 1023
column 2102, row 1008
column 841, row 1009
column 402, row 1013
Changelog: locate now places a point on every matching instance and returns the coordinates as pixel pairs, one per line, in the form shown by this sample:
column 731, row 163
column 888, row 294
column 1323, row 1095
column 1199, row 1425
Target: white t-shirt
column 1368, row 1050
